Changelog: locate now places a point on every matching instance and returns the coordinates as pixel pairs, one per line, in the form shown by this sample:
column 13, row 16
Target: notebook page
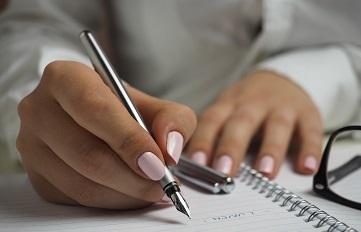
column 302, row 186
column 244, row 209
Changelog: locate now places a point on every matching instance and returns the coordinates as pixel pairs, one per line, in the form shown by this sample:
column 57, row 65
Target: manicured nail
column 151, row 166
column 311, row 163
column 199, row 157
column 267, row 164
column 223, row 164
column 174, row 145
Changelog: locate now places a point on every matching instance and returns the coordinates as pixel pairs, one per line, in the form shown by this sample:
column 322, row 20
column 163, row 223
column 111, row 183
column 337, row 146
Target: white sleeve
column 32, row 34
column 317, row 44
column 327, row 75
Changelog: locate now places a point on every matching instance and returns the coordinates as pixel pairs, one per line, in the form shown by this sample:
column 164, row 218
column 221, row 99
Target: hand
column 264, row 102
column 79, row 144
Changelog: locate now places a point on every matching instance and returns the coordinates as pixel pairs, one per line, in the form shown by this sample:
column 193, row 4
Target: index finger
column 83, row 95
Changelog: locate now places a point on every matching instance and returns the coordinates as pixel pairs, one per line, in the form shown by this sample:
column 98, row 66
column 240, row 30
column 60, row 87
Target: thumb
column 171, row 124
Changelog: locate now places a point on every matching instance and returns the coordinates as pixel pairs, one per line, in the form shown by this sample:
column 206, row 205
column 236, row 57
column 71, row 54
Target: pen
column 203, row 177
column 112, row 79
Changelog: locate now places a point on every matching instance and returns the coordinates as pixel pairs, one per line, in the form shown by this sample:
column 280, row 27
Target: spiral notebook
column 256, row 204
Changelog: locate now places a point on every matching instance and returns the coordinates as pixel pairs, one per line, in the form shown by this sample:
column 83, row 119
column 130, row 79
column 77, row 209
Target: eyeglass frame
column 320, row 182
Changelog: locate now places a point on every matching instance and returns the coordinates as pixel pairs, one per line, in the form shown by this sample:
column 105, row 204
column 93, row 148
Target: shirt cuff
column 327, row 75
column 49, row 54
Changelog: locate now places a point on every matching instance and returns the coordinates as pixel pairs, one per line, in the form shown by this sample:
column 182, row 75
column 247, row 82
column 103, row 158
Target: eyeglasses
column 339, row 176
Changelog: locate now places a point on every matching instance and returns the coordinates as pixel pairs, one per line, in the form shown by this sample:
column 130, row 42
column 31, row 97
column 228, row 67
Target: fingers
column 47, row 191
column 171, row 124
column 208, row 129
column 73, row 185
column 235, row 138
column 310, row 133
column 90, row 156
column 89, row 102
column 172, row 127
column 277, row 134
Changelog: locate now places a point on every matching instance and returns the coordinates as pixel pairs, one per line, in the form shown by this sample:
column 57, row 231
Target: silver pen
column 203, row 177
column 112, row 79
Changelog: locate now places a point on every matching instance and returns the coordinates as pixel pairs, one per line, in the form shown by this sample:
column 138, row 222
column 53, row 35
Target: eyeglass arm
column 342, row 171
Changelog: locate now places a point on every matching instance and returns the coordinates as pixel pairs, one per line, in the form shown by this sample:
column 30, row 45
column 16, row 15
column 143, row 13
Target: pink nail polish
column 223, row 164
column 174, row 145
column 199, row 157
column 266, row 164
column 311, row 163
column 151, row 165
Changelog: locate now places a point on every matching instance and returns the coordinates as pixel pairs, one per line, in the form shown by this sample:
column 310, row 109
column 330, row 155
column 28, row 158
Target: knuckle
column 313, row 133
column 131, row 141
column 87, row 195
column 53, row 67
column 310, row 108
column 20, row 143
column 211, row 115
column 52, row 71
column 43, row 188
column 311, row 116
column 188, row 113
column 94, row 160
column 44, row 195
column 40, row 188
column 245, row 115
column 285, row 118
column 25, row 108
column 187, row 117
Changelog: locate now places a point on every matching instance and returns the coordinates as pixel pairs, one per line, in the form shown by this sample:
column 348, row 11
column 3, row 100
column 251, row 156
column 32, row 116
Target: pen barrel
column 109, row 75
column 203, row 177
column 111, row 78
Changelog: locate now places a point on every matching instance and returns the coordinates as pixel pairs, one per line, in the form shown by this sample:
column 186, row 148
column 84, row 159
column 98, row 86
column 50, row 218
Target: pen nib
column 180, row 204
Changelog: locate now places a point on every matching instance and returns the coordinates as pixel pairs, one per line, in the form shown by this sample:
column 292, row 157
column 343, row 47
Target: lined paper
column 243, row 210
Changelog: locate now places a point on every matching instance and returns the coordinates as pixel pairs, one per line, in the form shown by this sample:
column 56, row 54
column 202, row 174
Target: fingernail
column 174, row 145
column 199, row 157
column 311, row 163
column 224, row 164
column 151, row 166
column 266, row 164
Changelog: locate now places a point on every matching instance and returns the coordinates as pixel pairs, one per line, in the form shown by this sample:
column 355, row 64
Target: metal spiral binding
column 277, row 193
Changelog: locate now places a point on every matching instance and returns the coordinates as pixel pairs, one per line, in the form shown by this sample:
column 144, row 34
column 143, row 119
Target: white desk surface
column 301, row 185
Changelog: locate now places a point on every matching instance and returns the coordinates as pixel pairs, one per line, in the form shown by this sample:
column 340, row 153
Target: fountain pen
column 106, row 71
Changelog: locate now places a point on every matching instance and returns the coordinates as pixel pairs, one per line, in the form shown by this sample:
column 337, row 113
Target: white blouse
column 187, row 50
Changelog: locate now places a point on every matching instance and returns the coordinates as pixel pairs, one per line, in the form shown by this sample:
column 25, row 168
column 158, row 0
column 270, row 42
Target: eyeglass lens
column 344, row 165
